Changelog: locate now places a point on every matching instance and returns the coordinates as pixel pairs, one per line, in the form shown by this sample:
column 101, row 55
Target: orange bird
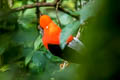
column 51, row 40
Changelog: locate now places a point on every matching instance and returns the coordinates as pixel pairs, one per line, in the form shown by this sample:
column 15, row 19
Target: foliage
column 23, row 56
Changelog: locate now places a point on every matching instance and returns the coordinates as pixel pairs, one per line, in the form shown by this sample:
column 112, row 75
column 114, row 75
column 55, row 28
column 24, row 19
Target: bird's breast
column 51, row 35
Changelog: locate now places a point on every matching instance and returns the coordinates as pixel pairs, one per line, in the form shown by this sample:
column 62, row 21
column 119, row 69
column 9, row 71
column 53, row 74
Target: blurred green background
column 23, row 56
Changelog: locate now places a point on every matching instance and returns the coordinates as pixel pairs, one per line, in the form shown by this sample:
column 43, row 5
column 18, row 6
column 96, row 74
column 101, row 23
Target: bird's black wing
column 55, row 49
column 68, row 53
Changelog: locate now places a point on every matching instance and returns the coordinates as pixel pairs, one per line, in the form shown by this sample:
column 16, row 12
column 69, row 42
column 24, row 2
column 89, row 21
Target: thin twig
column 80, row 3
column 37, row 14
column 78, row 34
column 66, row 11
column 37, row 11
column 57, row 5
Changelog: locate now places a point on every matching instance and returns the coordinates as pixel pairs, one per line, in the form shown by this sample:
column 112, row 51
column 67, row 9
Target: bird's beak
column 41, row 29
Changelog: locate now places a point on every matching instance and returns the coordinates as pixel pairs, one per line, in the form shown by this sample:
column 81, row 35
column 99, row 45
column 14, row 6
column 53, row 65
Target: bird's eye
column 46, row 27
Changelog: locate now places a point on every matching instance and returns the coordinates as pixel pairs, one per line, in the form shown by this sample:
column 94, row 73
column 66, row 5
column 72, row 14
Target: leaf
column 52, row 57
column 8, row 21
column 75, row 13
column 26, row 51
column 26, row 37
column 27, row 19
column 4, row 68
column 17, row 4
column 51, row 12
column 28, row 58
column 38, row 43
column 65, row 19
column 49, row 1
column 67, row 31
column 69, row 4
column 89, row 10
column 2, row 50
column 38, row 61
column 5, row 40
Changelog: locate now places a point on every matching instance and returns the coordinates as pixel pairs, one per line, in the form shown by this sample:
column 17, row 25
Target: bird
column 51, row 41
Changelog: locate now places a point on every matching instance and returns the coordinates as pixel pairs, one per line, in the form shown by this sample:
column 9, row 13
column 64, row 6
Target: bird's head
column 44, row 21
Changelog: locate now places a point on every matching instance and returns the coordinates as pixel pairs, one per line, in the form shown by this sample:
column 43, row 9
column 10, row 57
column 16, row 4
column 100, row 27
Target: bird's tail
column 73, row 51
column 76, row 44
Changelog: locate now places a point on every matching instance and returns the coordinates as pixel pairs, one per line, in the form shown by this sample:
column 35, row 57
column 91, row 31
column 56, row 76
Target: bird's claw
column 64, row 65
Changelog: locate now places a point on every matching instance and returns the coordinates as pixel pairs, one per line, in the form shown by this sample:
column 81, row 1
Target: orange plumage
column 51, row 31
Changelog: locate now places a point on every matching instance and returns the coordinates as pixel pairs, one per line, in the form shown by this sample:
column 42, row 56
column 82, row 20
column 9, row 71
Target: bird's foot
column 64, row 65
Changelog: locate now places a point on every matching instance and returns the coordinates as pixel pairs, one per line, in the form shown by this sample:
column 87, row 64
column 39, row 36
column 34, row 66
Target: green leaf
column 26, row 37
column 38, row 43
column 28, row 58
column 65, row 19
column 49, row 1
column 4, row 68
column 2, row 49
column 51, row 12
column 75, row 13
column 27, row 19
column 38, row 61
column 8, row 21
column 67, row 31
column 89, row 10
column 17, row 4
column 52, row 57
column 5, row 40
column 69, row 4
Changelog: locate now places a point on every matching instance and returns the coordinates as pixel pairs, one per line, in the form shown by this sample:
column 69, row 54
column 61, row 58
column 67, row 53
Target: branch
column 33, row 6
column 38, row 13
column 38, row 4
column 57, row 5
column 69, row 13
